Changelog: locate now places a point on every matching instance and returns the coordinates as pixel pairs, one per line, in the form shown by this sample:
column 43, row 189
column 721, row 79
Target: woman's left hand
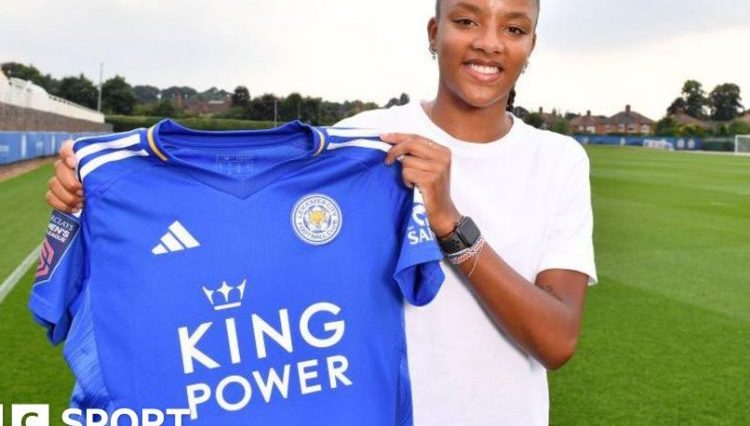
column 426, row 165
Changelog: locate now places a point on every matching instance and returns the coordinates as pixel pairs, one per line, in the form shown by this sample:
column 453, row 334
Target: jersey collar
column 153, row 143
column 167, row 138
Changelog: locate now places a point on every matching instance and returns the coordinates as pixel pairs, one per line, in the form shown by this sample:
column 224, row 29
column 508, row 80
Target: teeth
column 483, row 69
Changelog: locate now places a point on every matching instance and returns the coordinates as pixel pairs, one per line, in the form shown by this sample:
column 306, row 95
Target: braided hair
column 511, row 99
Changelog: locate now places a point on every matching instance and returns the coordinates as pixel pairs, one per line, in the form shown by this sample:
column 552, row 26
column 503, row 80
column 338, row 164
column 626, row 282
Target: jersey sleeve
column 59, row 276
column 418, row 272
column 568, row 243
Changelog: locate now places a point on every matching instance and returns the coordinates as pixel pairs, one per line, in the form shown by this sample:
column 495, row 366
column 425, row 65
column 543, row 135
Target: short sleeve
column 59, row 276
column 418, row 272
column 569, row 241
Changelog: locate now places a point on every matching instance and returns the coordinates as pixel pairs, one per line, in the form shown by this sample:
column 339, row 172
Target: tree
column 165, row 108
column 560, row 126
column 401, row 100
column 311, row 110
column 739, row 127
column 534, row 119
column 145, row 93
column 520, row 112
column 30, row 73
column 678, row 106
column 290, row 108
column 178, row 93
column 24, row 72
column 725, row 102
column 569, row 116
column 262, row 108
column 695, row 99
column 80, row 90
column 688, row 130
column 667, row 126
column 391, row 102
column 214, row 94
column 117, row 96
column 241, row 97
column 722, row 130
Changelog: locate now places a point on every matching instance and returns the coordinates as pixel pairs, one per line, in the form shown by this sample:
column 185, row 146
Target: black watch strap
column 465, row 234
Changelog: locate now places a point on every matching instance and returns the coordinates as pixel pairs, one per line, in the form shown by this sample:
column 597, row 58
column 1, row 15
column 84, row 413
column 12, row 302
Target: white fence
column 25, row 94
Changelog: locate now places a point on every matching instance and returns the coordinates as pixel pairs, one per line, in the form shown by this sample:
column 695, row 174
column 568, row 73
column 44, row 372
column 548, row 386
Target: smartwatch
column 463, row 236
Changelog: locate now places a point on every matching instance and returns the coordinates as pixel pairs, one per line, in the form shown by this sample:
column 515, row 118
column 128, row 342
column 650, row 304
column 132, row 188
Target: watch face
column 468, row 232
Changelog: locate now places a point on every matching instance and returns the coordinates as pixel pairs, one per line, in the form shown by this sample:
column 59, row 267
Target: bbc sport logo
column 27, row 415
column 38, row 415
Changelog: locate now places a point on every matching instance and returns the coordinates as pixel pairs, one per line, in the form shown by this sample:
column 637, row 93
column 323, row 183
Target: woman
column 512, row 305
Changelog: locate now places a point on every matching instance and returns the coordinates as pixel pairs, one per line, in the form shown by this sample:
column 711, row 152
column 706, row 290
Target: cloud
column 591, row 54
column 597, row 26
column 647, row 77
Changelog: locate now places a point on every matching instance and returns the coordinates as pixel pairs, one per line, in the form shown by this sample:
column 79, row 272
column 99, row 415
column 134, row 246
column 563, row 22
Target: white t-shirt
column 529, row 194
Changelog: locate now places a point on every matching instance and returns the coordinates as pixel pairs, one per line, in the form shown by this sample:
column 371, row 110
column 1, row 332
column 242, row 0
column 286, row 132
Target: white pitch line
column 18, row 273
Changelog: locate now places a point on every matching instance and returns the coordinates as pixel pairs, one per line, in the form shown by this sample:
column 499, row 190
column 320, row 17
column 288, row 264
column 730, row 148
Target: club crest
column 316, row 219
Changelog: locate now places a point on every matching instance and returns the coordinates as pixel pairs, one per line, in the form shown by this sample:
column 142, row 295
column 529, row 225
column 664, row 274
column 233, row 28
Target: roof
column 682, row 118
column 629, row 117
column 588, row 120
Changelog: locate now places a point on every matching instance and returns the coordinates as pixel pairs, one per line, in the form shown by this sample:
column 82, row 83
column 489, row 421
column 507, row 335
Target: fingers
column 414, row 177
column 428, row 182
column 65, row 192
column 395, row 138
column 416, row 146
column 67, row 197
column 67, row 178
column 409, row 162
column 67, row 155
column 58, row 204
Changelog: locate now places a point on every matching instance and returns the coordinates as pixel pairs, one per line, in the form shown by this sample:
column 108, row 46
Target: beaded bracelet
column 467, row 253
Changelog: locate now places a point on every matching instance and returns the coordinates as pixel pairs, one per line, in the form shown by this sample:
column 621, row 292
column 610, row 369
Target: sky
column 591, row 54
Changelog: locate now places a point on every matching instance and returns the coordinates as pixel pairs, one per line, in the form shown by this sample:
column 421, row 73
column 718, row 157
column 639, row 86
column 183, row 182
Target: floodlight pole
column 101, row 73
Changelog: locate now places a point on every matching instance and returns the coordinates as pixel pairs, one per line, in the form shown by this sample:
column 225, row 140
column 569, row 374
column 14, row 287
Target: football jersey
column 253, row 277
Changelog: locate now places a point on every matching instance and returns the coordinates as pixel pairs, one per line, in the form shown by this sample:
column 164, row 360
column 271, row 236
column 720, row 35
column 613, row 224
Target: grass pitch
column 666, row 338
column 31, row 370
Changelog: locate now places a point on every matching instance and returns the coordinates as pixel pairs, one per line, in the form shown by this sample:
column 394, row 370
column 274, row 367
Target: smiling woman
column 512, row 303
column 510, row 206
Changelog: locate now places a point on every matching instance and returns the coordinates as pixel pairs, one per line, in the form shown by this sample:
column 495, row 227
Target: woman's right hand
column 65, row 192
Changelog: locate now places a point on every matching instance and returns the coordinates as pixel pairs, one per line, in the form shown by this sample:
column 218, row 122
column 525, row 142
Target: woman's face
column 482, row 47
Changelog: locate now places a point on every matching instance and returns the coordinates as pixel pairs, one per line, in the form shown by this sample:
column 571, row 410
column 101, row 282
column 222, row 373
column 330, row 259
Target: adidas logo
column 176, row 239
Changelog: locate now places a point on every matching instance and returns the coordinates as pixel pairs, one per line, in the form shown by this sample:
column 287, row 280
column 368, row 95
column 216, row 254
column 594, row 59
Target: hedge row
column 123, row 123
column 718, row 145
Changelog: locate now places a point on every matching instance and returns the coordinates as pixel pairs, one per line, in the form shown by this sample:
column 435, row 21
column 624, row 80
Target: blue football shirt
column 254, row 277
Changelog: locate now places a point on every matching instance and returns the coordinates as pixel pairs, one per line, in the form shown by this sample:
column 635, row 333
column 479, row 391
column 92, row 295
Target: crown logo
column 226, row 297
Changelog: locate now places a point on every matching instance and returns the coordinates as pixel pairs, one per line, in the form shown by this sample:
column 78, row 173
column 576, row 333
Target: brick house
column 549, row 119
column 207, row 108
column 591, row 124
column 629, row 122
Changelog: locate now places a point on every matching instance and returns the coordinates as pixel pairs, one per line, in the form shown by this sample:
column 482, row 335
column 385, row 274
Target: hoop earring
column 525, row 65
column 433, row 52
